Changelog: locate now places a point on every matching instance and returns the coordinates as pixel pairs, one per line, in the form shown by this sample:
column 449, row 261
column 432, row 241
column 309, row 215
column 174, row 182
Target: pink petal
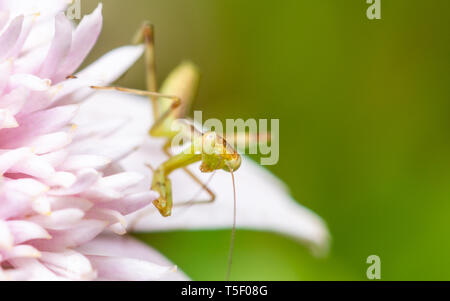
column 4, row 17
column 21, row 251
column 10, row 37
column 5, row 73
column 26, row 269
column 59, row 49
column 84, row 39
column 46, row 8
column 10, row 158
column 112, row 65
column 122, row 180
column 70, row 202
column 6, row 237
column 49, row 121
column 85, row 179
column 26, row 28
column 15, row 100
column 29, row 81
column 42, row 205
column 34, row 166
column 69, row 264
column 59, row 220
column 24, row 231
column 127, row 247
column 56, row 158
column 7, row 120
column 115, row 148
column 61, row 179
column 17, row 196
column 131, row 203
column 126, row 269
column 50, row 142
column 81, row 233
column 78, row 162
column 117, row 222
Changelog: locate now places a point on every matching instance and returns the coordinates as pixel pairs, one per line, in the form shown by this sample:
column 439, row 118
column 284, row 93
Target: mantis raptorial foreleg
column 181, row 163
column 203, row 186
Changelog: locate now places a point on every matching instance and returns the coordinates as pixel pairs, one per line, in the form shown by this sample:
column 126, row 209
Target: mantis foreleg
column 162, row 184
column 196, row 179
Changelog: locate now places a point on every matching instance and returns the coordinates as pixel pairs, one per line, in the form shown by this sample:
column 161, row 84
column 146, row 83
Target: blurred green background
column 364, row 124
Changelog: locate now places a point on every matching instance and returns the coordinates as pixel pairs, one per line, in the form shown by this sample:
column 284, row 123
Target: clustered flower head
column 58, row 188
column 73, row 169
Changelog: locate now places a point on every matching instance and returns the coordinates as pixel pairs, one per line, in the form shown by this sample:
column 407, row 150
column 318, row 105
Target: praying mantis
column 170, row 104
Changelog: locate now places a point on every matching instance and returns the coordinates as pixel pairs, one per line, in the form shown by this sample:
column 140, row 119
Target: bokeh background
column 364, row 124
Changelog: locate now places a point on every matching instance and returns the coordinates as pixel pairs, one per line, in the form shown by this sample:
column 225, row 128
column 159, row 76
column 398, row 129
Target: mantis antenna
column 233, row 231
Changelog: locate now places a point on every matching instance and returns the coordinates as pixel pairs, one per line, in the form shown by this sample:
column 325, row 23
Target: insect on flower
column 170, row 105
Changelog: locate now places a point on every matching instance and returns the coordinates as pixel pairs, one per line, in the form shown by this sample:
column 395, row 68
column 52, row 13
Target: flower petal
column 81, row 233
column 29, row 81
column 28, row 269
column 112, row 65
column 126, row 247
column 21, row 251
column 24, row 231
column 60, row 47
column 4, row 17
column 69, row 264
column 6, row 237
column 49, row 121
column 10, row 37
column 84, row 39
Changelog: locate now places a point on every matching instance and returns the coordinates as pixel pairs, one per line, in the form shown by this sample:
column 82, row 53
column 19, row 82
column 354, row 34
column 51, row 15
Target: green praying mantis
column 170, row 105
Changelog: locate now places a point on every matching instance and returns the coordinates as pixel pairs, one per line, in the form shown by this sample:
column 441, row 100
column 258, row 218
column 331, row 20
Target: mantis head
column 218, row 154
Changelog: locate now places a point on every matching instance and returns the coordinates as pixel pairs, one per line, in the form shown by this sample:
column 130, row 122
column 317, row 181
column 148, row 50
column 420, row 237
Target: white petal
column 127, row 269
column 42, row 206
column 78, row 162
column 6, row 238
column 4, row 17
column 122, row 180
column 50, row 142
column 69, row 264
column 263, row 201
column 10, row 158
column 24, row 231
column 22, row 251
column 31, row 270
column 59, row 220
column 81, row 233
column 29, row 81
column 7, row 120
column 85, row 178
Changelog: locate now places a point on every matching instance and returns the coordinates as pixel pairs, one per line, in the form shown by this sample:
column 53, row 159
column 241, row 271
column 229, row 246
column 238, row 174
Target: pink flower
column 71, row 180
column 60, row 187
